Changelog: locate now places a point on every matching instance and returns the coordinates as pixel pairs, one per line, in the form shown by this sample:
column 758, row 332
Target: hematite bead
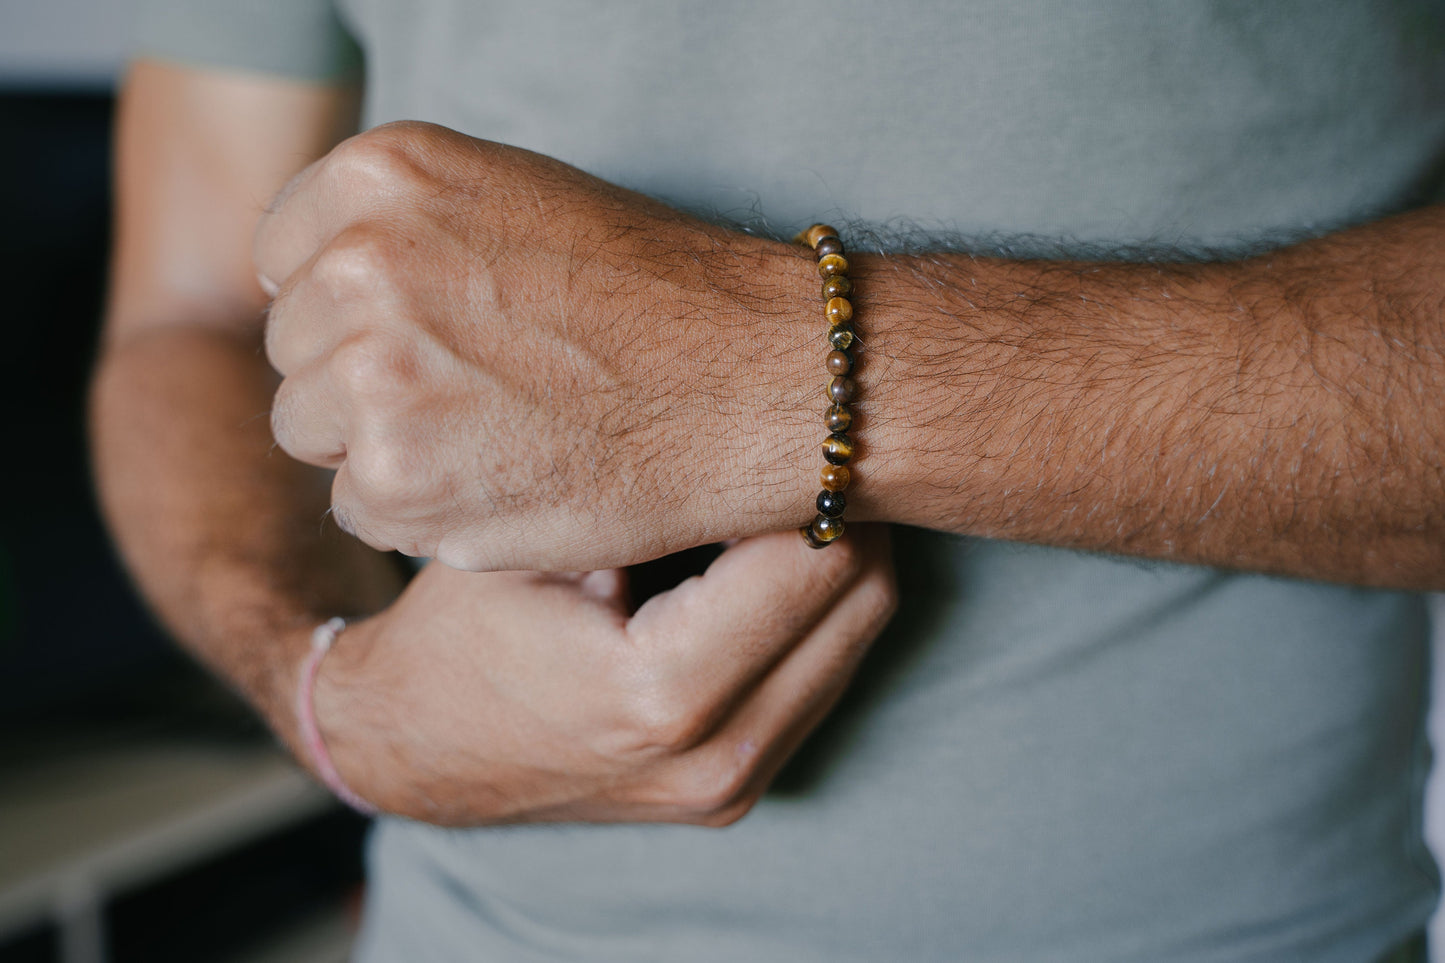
column 835, row 478
column 838, row 363
column 838, row 418
column 837, row 449
column 837, row 286
column 841, row 337
column 832, row 264
column 832, row 503
column 841, row 390
column 828, row 245
column 817, row 232
column 838, row 311
column 826, row 529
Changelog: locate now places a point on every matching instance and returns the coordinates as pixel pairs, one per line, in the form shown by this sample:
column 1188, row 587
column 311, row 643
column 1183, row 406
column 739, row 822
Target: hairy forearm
column 1279, row 414
column 224, row 535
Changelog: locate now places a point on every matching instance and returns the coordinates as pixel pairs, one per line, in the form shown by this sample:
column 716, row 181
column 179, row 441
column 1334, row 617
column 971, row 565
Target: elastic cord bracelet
column 321, row 642
column 838, row 447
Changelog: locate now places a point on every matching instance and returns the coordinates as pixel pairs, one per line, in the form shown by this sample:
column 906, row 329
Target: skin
column 466, row 698
column 510, row 364
column 513, row 364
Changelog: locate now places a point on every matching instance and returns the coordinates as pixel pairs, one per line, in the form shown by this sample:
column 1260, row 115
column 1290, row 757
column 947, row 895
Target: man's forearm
column 1281, row 413
column 224, row 535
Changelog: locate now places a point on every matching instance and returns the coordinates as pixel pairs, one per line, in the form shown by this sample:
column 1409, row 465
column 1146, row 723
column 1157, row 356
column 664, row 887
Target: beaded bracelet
column 837, row 447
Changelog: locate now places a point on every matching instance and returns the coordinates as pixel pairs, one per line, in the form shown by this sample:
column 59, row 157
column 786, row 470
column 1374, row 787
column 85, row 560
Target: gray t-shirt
column 1050, row 755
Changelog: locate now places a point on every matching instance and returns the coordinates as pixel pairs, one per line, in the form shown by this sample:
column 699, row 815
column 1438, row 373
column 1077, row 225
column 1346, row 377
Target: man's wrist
column 784, row 389
column 254, row 624
column 750, row 456
column 893, row 413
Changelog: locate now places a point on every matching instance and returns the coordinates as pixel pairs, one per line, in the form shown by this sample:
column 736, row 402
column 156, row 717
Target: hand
column 512, row 364
column 485, row 698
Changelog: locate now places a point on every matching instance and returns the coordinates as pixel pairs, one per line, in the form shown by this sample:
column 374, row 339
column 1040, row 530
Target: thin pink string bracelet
column 321, row 642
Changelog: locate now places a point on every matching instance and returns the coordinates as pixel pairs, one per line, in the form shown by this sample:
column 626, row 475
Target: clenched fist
column 512, row 364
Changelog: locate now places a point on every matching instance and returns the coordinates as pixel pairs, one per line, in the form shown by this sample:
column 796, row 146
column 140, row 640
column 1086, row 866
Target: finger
column 607, row 585
column 288, row 231
column 301, row 324
column 734, row 766
column 714, row 636
column 366, row 173
column 347, row 287
column 379, row 492
column 306, row 418
column 352, row 520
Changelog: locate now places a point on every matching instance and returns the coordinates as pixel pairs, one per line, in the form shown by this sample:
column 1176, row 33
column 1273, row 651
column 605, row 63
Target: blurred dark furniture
column 144, row 815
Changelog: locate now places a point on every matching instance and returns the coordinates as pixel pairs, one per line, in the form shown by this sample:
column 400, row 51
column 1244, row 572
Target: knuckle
column 462, row 554
column 370, row 367
column 381, row 475
column 359, row 260
column 381, row 160
column 726, row 816
column 661, row 718
column 715, row 789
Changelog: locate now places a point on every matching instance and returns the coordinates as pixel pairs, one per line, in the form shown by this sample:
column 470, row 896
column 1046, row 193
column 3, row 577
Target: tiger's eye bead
column 832, row 503
column 838, row 311
column 827, row 529
column 832, row 264
column 841, row 337
column 838, row 418
column 837, row 286
column 817, row 232
column 837, row 449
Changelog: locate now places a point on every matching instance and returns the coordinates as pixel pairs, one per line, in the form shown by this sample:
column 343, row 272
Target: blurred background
column 144, row 815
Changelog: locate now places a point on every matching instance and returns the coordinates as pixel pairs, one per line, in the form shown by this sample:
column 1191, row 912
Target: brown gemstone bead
column 827, row 529
column 831, row 503
column 838, row 418
column 837, row 449
column 835, row 478
column 828, row 245
column 832, row 264
column 807, row 532
column 817, row 232
column 841, row 390
column 841, row 337
column 837, row 286
column 838, row 311
column 838, row 363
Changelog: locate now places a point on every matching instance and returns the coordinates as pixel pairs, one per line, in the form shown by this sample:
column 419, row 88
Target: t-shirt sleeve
column 301, row 39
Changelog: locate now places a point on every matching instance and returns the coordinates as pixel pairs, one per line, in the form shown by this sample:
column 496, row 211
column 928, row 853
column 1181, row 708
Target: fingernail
column 604, row 584
column 267, row 285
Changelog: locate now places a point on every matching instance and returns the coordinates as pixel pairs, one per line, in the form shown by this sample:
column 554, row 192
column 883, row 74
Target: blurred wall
column 63, row 44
